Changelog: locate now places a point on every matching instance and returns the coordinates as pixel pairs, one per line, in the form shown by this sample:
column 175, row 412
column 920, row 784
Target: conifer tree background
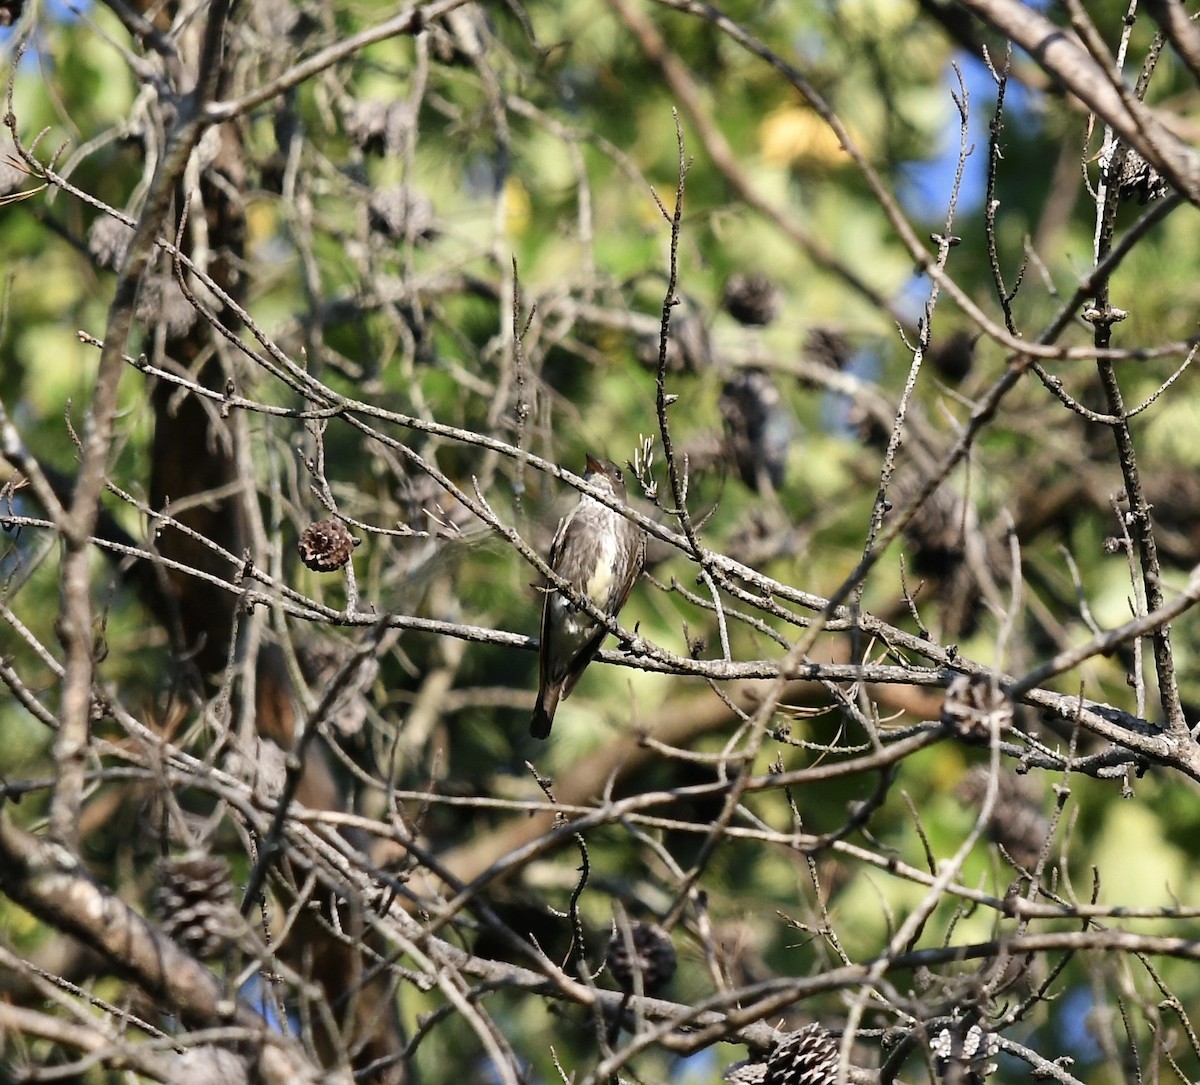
column 311, row 310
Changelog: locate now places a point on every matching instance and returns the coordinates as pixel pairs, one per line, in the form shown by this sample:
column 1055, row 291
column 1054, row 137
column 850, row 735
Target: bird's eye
column 620, row 475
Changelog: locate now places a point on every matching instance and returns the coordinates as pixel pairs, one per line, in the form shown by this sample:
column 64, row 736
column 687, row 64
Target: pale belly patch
column 599, row 584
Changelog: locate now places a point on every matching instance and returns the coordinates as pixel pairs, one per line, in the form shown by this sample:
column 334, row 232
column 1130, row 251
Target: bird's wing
column 582, row 658
column 559, row 534
column 639, row 561
column 547, row 594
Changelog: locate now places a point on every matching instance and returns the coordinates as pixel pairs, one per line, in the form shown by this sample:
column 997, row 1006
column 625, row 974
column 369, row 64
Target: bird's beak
column 594, row 464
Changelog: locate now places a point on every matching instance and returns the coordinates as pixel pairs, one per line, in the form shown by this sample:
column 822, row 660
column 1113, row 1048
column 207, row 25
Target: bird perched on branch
column 600, row 554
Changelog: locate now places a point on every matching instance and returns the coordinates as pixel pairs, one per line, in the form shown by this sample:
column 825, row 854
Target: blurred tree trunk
column 195, row 465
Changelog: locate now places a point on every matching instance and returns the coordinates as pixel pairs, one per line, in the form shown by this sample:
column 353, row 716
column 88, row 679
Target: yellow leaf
column 517, row 207
column 795, row 135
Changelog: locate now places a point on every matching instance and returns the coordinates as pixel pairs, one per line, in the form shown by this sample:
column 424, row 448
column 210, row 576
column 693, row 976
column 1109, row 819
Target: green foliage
column 544, row 162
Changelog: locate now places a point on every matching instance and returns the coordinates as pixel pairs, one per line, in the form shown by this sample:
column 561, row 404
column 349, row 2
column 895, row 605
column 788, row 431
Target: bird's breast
column 599, row 583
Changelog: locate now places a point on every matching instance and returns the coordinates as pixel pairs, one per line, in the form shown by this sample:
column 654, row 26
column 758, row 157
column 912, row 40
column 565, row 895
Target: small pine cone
column 461, row 38
column 107, row 241
column 963, row 1057
column 194, row 899
column 13, row 171
column 953, row 357
column 750, row 299
column 653, row 956
column 739, row 945
column 263, row 766
column 1017, row 823
column 828, row 347
column 1142, row 180
column 1138, row 178
column 377, row 125
column 1174, row 494
column 973, row 702
column 758, row 428
column 398, row 212
column 275, row 19
column 746, row 1072
column 808, row 1056
column 321, row 660
column 423, row 501
column 937, row 532
column 326, row 545
column 866, row 425
column 688, row 347
column 162, row 301
column 209, row 1065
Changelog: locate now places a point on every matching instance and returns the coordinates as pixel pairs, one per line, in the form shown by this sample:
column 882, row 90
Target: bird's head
column 599, row 472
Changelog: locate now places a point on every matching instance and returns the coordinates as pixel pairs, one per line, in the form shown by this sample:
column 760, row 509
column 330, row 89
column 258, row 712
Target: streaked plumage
column 600, row 553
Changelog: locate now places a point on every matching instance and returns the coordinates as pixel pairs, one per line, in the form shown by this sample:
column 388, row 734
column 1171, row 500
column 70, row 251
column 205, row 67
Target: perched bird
column 600, row 554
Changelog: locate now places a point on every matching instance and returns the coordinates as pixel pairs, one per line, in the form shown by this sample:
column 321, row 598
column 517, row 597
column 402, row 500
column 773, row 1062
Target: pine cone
column 746, row 1072
column 321, row 660
column 378, row 126
column 209, row 1065
column 972, row 701
column 937, row 533
column 962, row 1057
column 1138, row 178
column 808, row 1056
column 276, row 19
column 653, row 956
column 937, row 538
column 758, row 428
column 194, row 899
column 826, row 346
column 162, row 301
column 398, row 212
column 750, row 299
column 326, row 545
column 13, row 173
column 1017, row 823
column 953, row 358
column 461, row 38
column 107, row 240
column 263, row 765
column 689, row 349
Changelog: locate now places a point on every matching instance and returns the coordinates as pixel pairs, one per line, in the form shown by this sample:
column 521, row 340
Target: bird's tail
column 543, row 711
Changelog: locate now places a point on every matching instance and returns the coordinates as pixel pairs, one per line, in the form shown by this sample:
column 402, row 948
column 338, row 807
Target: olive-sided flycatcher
column 600, row 554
